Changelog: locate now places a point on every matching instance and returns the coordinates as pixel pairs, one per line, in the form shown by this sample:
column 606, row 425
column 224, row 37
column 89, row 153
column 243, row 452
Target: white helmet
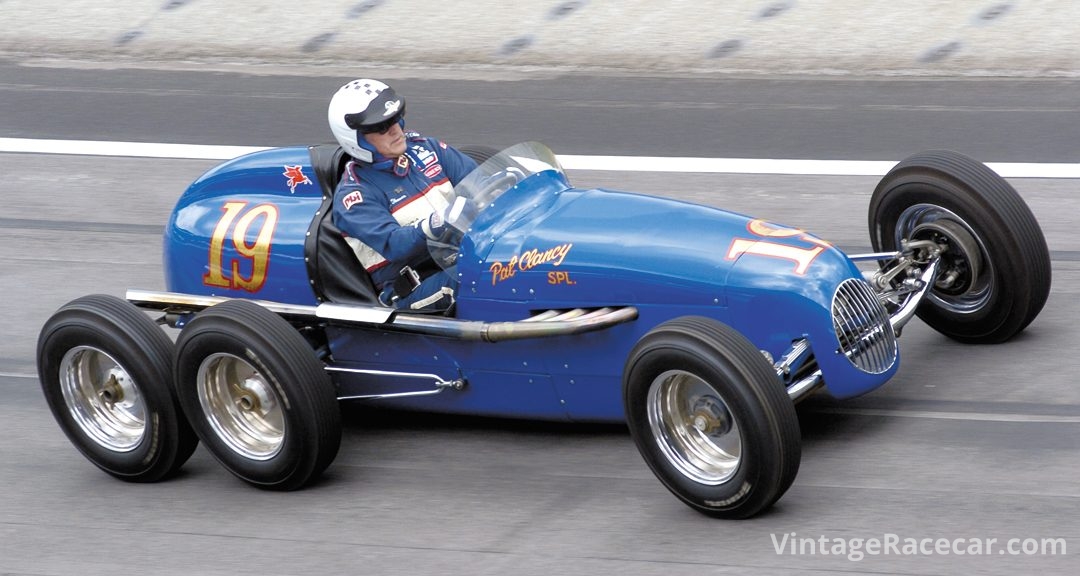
column 361, row 107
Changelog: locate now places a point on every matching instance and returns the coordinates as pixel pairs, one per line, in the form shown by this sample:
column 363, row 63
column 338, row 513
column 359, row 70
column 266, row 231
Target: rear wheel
column 994, row 275
column 257, row 396
column 106, row 371
column 711, row 418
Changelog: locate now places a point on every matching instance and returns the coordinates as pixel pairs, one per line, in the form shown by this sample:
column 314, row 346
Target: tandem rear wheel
column 240, row 378
column 257, row 396
column 106, row 370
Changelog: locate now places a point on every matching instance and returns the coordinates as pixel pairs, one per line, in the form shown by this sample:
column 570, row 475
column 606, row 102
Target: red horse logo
column 296, row 176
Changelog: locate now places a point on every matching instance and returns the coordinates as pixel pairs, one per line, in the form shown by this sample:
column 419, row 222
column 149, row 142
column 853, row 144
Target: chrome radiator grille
column 862, row 327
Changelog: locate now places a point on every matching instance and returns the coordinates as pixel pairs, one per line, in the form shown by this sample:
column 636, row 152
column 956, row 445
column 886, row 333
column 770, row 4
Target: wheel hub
column 255, row 396
column 709, row 416
column 961, row 260
column 112, row 392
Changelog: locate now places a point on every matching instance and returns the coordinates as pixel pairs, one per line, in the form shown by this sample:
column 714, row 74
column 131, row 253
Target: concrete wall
column 925, row 37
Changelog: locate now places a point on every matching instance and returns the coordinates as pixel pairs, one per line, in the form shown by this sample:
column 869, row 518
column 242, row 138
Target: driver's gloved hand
column 434, row 226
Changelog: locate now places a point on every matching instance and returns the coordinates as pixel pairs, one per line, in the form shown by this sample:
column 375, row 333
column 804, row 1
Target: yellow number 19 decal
column 257, row 252
column 802, row 257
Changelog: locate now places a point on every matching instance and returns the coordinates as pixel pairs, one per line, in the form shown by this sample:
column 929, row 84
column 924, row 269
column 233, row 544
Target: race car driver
column 393, row 195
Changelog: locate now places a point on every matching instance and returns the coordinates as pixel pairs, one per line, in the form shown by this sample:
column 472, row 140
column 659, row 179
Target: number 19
column 258, row 252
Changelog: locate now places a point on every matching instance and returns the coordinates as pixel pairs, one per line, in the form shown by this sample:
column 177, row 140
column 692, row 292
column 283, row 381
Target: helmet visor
column 385, row 110
column 380, row 127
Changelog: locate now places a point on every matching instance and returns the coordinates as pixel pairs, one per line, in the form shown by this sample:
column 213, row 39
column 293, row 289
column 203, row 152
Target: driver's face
column 390, row 144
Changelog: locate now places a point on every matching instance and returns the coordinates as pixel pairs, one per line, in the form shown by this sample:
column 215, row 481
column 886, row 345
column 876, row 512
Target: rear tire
column 106, row 370
column 257, row 396
column 710, row 417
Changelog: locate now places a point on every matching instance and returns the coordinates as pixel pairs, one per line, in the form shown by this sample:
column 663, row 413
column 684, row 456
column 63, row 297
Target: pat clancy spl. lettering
column 527, row 261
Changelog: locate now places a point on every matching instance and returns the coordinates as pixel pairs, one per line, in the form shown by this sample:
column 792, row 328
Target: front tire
column 479, row 154
column 994, row 276
column 710, row 417
column 106, row 371
column 257, row 396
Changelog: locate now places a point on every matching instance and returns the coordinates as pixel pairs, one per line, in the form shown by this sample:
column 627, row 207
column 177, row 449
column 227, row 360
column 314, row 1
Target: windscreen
column 482, row 187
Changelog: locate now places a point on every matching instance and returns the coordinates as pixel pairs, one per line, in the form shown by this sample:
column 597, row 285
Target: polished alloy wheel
column 241, row 406
column 964, row 282
column 694, row 427
column 102, row 398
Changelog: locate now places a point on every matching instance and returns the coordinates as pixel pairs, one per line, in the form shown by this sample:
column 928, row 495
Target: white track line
column 569, row 161
column 127, row 149
column 971, row 416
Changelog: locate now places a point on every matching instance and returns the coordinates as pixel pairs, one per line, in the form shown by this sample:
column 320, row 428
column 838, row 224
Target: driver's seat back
column 335, row 273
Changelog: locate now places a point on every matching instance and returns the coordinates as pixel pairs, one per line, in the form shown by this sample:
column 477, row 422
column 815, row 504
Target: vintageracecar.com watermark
column 856, row 549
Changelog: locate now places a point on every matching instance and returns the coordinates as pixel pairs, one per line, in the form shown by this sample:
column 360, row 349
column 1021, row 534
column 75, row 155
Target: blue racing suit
column 383, row 208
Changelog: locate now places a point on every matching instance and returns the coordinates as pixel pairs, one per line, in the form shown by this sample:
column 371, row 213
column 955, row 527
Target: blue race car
column 700, row 328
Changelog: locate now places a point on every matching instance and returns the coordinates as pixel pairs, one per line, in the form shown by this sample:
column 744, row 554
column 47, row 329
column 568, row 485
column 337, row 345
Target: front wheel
column 994, row 275
column 710, row 417
column 257, row 396
column 479, row 154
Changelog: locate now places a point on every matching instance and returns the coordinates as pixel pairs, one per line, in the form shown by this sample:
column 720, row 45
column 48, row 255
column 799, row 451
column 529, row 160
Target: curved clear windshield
column 484, row 186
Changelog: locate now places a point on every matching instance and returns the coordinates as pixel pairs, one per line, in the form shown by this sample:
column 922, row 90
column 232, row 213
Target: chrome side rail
column 546, row 324
column 182, row 303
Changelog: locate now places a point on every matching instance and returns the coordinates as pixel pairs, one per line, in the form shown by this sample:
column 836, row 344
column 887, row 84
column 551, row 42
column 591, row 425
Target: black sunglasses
column 380, row 128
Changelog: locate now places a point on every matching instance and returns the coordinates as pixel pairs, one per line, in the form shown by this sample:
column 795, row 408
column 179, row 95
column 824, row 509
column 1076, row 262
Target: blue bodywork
column 241, row 230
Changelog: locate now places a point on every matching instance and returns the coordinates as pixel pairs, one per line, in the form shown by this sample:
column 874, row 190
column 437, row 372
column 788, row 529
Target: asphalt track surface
column 966, row 442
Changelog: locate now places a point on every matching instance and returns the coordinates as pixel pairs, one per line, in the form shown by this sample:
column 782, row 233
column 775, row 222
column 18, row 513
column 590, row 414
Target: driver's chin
column 394, row 148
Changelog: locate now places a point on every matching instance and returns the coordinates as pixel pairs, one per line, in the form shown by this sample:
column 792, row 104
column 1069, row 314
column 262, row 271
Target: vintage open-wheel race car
column 698, row 327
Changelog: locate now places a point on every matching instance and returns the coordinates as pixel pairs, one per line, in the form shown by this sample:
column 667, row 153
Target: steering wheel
column 499, row 182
